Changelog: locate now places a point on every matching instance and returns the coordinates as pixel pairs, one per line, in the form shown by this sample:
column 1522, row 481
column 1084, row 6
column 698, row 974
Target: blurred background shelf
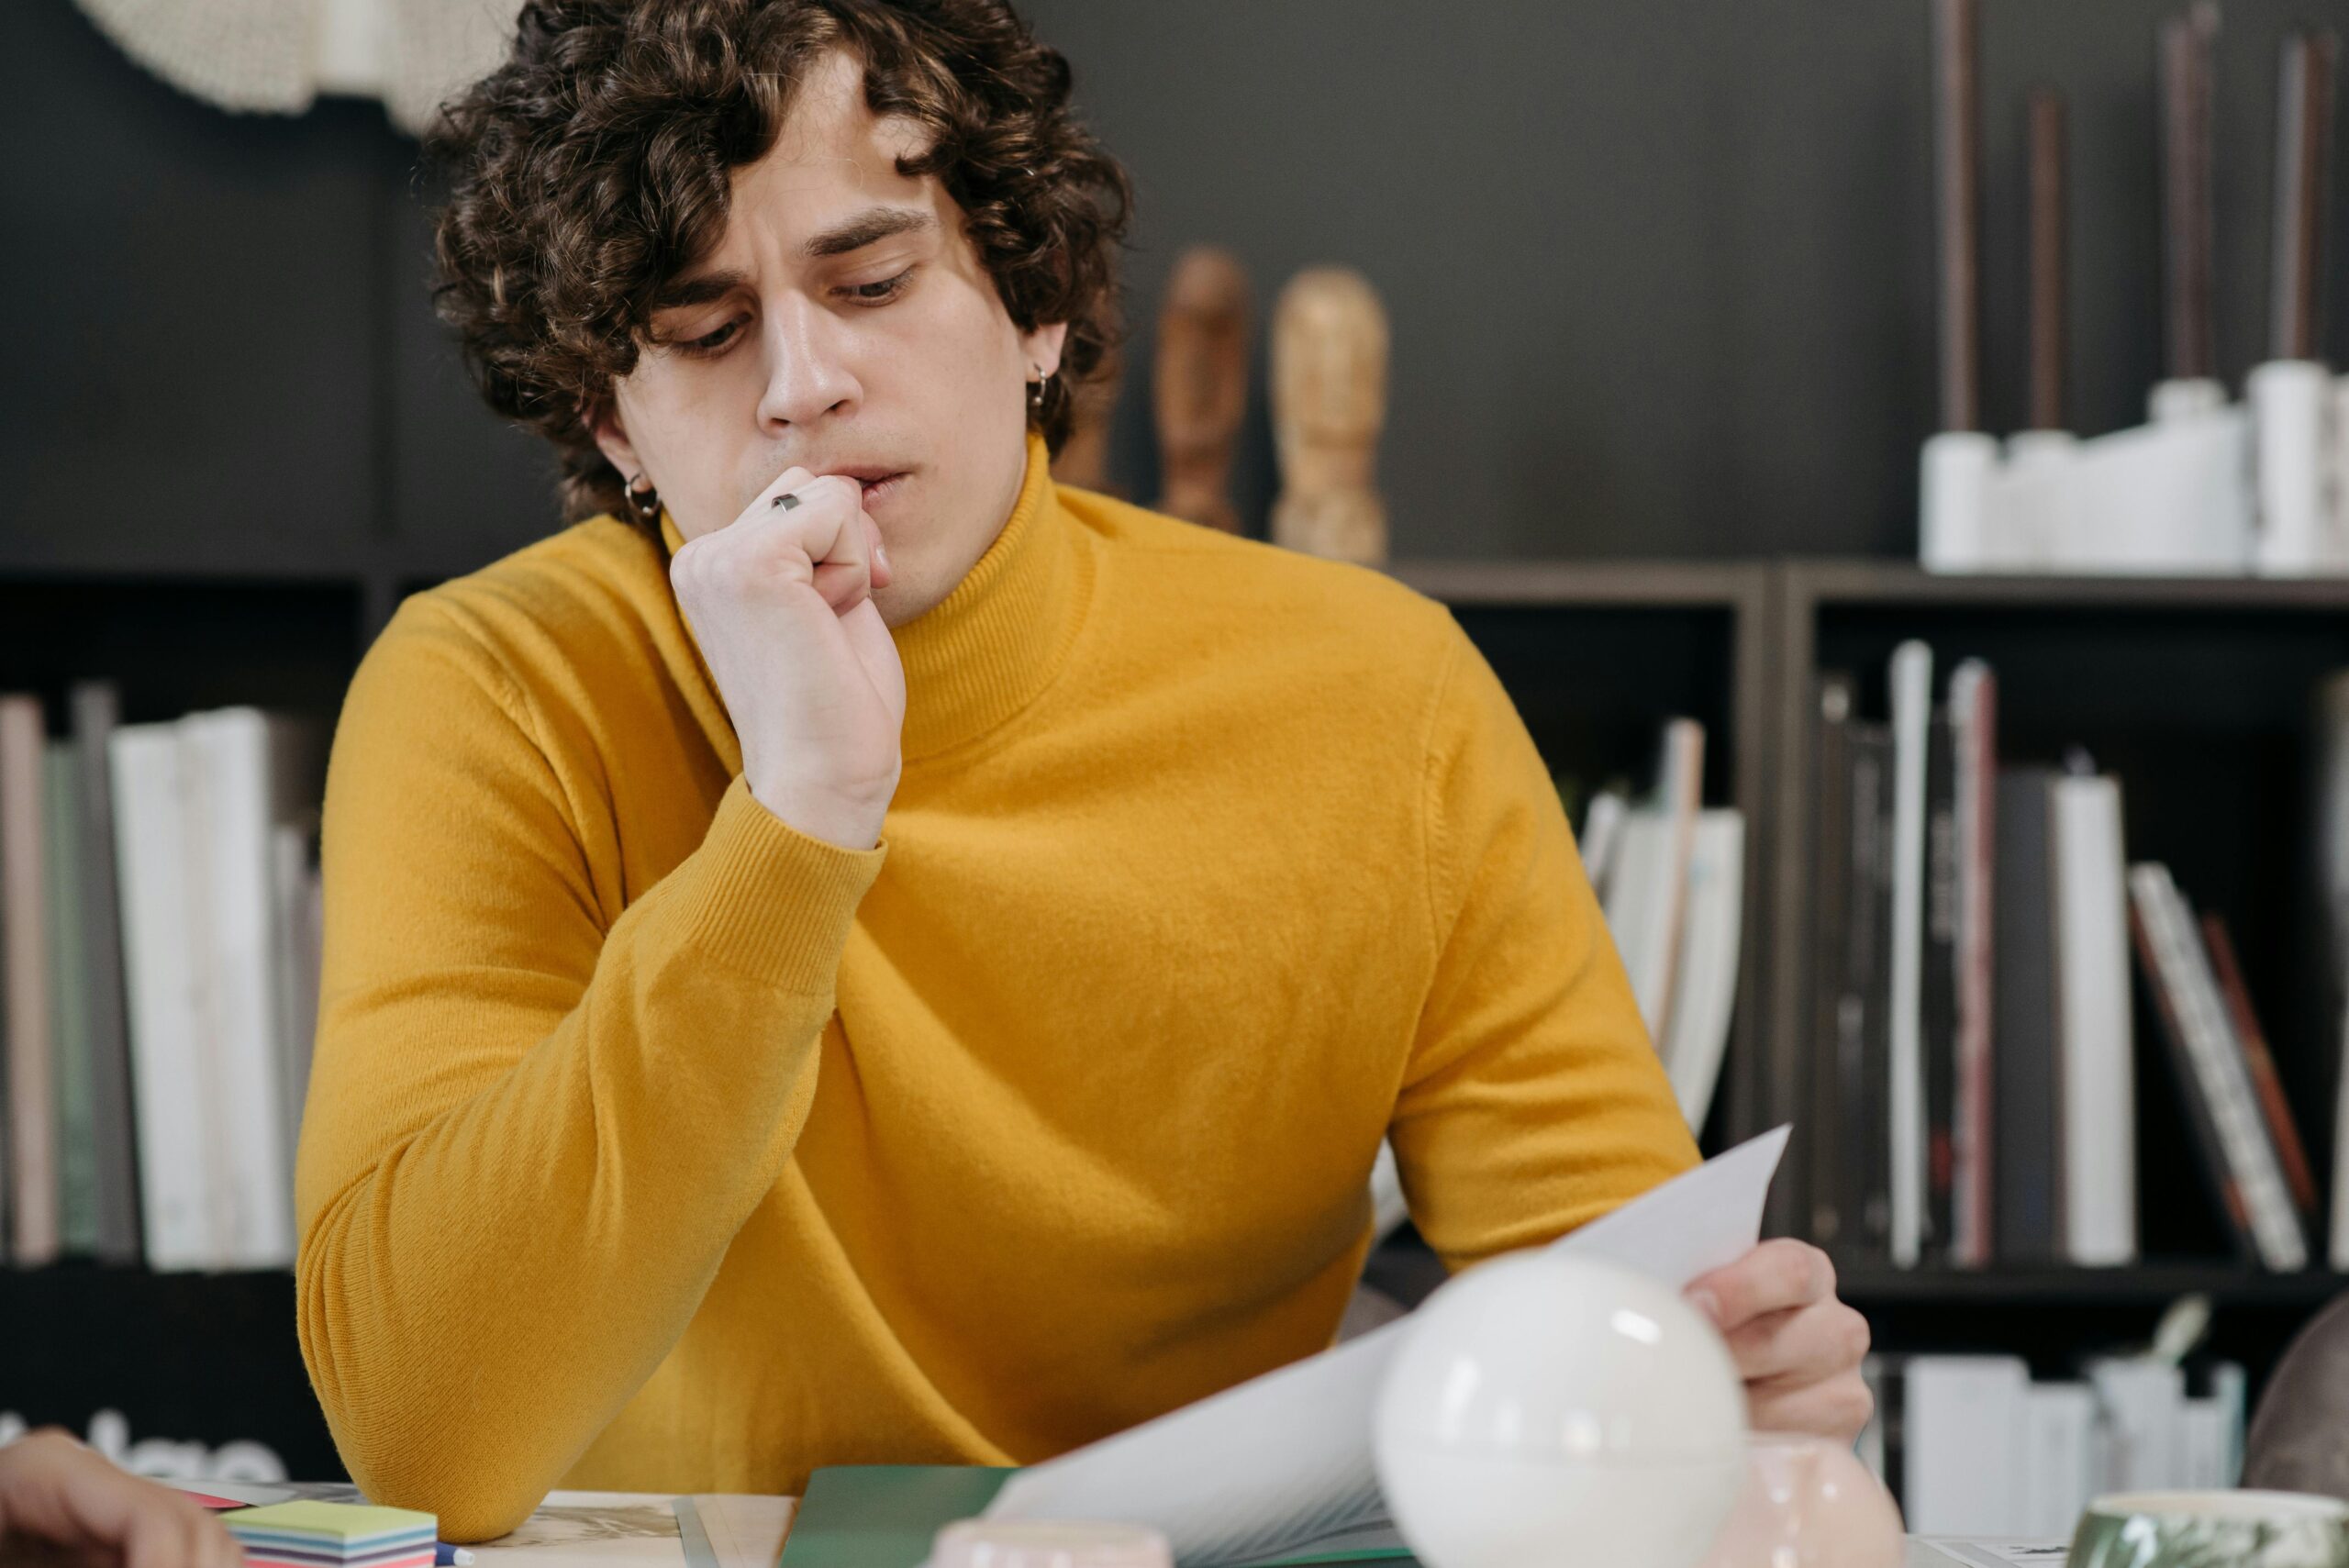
column 2151, row 1284
column 192, row 1359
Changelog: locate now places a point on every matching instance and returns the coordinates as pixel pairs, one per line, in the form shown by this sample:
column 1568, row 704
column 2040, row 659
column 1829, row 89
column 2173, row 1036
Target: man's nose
column 807, row 371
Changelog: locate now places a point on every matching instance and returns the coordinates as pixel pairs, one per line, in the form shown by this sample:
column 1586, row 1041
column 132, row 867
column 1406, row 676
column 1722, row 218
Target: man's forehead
column 830, row 136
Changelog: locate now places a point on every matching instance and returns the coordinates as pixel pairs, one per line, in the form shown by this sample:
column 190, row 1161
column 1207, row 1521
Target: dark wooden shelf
column 1898, row 584
column 1662, row 584
column 2149, row 1285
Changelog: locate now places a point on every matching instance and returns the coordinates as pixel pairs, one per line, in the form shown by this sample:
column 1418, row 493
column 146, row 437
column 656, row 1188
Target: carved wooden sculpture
column 1328, row 404
column 1200, row 385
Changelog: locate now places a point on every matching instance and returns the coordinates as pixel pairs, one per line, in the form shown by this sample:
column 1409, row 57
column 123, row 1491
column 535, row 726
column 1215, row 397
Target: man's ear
column 1042, row 346
column 603, row 422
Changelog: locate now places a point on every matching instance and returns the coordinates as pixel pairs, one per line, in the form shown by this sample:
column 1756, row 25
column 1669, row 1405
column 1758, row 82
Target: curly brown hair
column 594, row 165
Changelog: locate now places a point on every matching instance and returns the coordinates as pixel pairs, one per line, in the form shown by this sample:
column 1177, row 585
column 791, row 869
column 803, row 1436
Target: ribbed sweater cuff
column 774, row 903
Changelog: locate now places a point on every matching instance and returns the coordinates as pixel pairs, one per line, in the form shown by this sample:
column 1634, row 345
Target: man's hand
column 61, row 1504
column 1798, row 1348
column 781, row 602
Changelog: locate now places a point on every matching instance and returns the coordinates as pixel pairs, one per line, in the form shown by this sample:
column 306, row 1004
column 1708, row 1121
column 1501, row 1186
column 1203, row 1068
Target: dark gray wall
column 1660, row 275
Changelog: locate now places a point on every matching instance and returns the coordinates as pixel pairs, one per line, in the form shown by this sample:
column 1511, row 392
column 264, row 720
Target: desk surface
column 640, row 1530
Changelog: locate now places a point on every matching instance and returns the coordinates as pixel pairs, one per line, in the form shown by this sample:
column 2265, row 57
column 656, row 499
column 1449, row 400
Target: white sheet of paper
column 1284, row 1458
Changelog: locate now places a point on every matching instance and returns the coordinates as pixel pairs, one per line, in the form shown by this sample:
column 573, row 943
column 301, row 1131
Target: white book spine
column 2060, row 1458
column 1912, row 698
column 1706, row 995
column 2097, row 1044
column 2229, row 1391
column 1964, row 1423
column 1601, row 829
column 161, row 987
column 2220, row 1073
column 1681, row 789
column 1640, row 910
column 229, row 757
column 2139, row 1400
column 2203, row 1443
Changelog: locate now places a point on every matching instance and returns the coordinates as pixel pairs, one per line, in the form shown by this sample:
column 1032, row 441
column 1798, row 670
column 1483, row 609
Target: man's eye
column 885, row 289
column 711, row 342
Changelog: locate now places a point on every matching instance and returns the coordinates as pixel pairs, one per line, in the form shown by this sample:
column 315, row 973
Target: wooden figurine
column 1328, row 404
column 1200, row 385
column 1084, row 456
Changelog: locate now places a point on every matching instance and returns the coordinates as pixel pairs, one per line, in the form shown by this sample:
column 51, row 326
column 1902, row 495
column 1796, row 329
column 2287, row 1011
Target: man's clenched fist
column 781, row 601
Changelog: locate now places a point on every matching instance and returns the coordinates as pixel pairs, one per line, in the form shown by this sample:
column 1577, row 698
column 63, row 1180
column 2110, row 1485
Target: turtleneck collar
column 988, row 650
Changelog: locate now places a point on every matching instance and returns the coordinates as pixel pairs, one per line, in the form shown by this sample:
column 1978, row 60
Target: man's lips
column 879, row 486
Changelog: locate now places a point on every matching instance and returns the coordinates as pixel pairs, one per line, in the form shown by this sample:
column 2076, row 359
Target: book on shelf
column 1646, row 892
column 159, row 941
column 76, row 1123
column 2274, row 1109
column 24, row 977
column 1911, row 681
column 1974, row 1089
column 2027, row 1087
column 1830, row 922
column 203, row 803
column 1937, row 990
column 2229, row 1126
column 1852, row 970
column 1975, row 927
column 95, row 711
column 2097, row 1041
column 1670, row 875
column 1974, row 793
column 2329, row 922
column 1711, row 921
column 1972, row 1445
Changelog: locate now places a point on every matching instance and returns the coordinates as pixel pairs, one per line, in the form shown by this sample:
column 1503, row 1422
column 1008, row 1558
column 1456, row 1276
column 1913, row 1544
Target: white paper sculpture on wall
column 280, row 56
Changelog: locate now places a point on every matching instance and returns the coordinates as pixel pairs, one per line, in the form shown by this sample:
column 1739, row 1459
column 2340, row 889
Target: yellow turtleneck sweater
column 652, row 1144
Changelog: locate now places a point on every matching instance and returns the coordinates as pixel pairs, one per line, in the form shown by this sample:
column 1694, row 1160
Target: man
column 877, row 958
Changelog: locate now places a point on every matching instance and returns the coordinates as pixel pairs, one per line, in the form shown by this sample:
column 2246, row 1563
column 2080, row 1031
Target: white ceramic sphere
column 1545, row 1411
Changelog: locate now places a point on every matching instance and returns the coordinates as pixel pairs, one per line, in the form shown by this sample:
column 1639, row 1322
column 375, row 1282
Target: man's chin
column 908, row 597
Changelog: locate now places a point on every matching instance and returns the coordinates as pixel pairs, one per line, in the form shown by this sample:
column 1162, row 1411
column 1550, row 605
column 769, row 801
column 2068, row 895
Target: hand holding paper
column 1286, row 1459
column 1798, row 1348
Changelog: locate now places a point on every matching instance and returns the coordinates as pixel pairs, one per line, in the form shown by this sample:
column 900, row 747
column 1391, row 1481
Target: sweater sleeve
column 1532, row 1100
column 531, row 1132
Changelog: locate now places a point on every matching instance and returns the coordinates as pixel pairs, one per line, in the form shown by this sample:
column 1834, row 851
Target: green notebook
column 885, row 1516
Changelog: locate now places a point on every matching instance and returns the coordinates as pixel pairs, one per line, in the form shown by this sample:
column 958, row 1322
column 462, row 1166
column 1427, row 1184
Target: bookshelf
column 2193, row 691
column 2196, row 695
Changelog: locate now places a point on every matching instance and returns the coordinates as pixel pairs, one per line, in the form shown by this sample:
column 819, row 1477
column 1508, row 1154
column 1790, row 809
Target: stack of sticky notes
column 333, row 1535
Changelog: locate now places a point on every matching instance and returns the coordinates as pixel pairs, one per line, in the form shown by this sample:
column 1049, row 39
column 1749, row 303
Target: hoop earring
column 1036, row 390
column 645, row 503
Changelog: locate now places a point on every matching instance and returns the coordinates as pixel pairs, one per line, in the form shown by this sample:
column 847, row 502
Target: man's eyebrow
column 678, row 293
column 866, row 228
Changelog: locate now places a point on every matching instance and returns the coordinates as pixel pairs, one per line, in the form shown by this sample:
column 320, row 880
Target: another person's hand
column 781, row 602
column 61, row 1504
column 1796, row 1346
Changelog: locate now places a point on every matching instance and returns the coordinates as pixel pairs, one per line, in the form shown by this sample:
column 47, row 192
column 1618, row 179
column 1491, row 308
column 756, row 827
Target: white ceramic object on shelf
column 2292, row 414
column 1958, row 473
column 2041, row 508
column 1547, row 1411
